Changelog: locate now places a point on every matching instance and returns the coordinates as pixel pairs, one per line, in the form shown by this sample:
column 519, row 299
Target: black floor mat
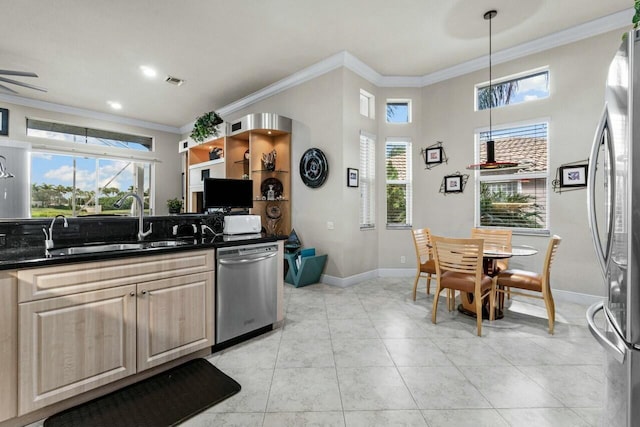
column 165, row 399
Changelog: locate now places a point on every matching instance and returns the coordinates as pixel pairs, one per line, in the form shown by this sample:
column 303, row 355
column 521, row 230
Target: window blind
column 515, row 197
column 398, row 182
column 367, row 181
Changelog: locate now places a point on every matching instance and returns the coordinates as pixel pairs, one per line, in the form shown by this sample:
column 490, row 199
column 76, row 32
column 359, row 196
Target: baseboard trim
column 576, row 297
column 343, row 282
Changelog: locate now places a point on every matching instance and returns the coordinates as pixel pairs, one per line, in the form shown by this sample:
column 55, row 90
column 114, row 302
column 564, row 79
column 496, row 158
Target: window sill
column 399, row 227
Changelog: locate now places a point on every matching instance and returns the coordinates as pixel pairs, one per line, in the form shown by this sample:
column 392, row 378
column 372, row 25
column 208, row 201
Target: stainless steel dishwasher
column 246, row 290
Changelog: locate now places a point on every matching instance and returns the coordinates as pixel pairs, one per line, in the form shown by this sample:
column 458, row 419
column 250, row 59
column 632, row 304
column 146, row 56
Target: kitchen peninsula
column 74, row 327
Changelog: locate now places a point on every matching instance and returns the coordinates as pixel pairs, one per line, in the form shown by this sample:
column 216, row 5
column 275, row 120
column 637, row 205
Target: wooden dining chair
column 459, row 268
column 424, row 257
column 531, row 282
column 495, row 237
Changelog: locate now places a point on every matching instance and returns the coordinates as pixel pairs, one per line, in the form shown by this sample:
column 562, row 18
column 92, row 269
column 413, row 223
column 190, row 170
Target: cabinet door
column 175, row 318
column 72, row 344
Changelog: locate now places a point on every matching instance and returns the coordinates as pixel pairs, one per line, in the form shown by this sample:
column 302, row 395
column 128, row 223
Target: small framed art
column 433, row 156
column 573, row 176
column 453, row 184
column 352, row 177
column 4, row 121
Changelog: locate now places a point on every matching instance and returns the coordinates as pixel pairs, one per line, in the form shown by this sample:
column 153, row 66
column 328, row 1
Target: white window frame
column 518, row 76
column 408, row 183
column 479, row 179
column 367, row 177
column 67, row 148
column 399, row 101
column 367, row 104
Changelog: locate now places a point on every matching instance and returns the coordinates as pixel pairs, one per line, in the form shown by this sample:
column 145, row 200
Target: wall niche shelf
column 268, row 171
column 254, row 134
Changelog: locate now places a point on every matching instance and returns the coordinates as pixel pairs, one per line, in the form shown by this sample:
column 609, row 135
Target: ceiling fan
column 15, row 82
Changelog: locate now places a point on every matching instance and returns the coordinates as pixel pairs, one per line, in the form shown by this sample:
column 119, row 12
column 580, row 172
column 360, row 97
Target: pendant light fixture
column 490, row 144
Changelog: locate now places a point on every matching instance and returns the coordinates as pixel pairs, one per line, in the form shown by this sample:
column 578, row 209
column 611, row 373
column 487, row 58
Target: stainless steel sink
column 165, row 244
column 113, row 247
column 110, row 247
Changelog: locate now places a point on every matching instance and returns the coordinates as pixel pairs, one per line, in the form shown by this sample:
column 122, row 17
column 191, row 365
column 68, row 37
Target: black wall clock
column 314, row 168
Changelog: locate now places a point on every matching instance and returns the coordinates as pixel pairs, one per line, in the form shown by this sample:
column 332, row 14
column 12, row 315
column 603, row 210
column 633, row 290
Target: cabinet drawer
column 47, row 282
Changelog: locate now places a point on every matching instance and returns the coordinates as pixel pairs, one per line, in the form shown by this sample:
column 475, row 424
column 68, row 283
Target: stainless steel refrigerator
column 614, row 214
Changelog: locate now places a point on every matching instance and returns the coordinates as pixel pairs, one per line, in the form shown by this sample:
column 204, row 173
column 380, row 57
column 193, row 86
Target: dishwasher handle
column 235, row 260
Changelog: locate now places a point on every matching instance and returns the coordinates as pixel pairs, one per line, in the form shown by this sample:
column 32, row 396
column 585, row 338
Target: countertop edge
column 42, row 261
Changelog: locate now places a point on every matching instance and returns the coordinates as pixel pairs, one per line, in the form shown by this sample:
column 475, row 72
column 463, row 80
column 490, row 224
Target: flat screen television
column 226, row 194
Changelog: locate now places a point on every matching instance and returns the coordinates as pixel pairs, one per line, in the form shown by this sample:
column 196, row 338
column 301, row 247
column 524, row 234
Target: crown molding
column 351, row 62
column 580, row 32
column 82, row 112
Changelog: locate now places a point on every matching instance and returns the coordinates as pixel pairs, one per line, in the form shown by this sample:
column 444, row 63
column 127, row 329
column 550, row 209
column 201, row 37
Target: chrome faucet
column 141, row 233
column 48, row 242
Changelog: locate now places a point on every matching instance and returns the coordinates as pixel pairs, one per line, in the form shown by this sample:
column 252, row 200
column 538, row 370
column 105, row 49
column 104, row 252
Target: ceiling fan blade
column 3, row 87
column 18, row 73
column 15, row 82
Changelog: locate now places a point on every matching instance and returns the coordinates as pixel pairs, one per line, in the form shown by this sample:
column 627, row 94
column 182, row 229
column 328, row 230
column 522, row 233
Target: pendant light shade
column 490, row 144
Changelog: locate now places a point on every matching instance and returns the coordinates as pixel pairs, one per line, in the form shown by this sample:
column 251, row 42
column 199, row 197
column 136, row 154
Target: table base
column 485, row 312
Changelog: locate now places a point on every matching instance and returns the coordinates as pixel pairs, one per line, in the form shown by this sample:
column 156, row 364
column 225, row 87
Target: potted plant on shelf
column 205, row 126
column 174, row 205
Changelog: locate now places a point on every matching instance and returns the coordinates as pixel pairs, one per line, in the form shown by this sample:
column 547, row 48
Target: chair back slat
column 458, row 255
column 552, row 249
column 422, row 243
column 501, row 239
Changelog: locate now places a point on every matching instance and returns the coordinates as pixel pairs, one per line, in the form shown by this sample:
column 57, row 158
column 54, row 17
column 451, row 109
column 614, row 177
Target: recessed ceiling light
column 148, row 71
column 115, row 105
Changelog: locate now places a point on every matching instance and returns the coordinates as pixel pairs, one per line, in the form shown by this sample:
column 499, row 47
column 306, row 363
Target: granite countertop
column 35, row 256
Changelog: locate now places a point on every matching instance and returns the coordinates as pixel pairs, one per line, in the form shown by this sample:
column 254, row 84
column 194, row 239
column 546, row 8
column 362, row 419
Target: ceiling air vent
column 174, row 80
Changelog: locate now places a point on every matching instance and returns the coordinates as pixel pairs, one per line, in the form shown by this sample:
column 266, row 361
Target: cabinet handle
column 143, row 292
column 133, row 294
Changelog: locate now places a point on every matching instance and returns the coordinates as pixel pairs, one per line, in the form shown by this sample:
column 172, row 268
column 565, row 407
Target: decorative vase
column 269, row 160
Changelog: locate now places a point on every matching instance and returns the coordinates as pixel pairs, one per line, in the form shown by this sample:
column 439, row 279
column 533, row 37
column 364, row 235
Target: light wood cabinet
column 75, row 343
column 109, row 320
column 175, row 318
column 8, row 345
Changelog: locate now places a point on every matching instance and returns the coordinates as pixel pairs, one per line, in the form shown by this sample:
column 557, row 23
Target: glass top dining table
column 491, row 254
column 501, row 252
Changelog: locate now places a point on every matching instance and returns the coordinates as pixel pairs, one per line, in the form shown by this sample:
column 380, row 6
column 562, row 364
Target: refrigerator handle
column 602, row 255
column 617, row 350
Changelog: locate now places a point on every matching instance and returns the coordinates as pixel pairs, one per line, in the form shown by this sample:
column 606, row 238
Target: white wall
column 577, row 78
column 325, row 113
column 167, row 170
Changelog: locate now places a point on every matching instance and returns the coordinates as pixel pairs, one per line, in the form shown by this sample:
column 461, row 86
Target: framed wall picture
column 433, row 156
column 4, row 121
column 453, row 184
column 573, row 176
column 352, row 177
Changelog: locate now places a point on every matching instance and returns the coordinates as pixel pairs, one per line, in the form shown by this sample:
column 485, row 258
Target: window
column 367, row 181
column 398, row 184
column 367, row 104
column 81, row 135
column 398, row 111
column 85, row 182
column 514, row 197
column 513, row 90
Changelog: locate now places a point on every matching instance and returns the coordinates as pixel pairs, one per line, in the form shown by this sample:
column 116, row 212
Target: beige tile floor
column 368, row 355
